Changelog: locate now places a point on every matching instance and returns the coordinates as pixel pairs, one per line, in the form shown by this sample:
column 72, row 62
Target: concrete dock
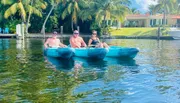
column 8, row 35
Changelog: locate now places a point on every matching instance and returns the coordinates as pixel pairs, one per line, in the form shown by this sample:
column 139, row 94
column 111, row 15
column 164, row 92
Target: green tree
column 15, row 6
column 151, row 9
column 54, row 4
column 135, row 11
column 23, row 7
column 110, row 9
column 72, row 8
column 165, row 6
column 34, row 7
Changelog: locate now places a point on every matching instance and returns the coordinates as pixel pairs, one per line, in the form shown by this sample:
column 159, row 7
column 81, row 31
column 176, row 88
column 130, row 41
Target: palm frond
column 69, row 8
column 64, row 14
column 11, row 11
column 74, row 16
column 7, row 2
column 22, row 11
column 76, row 6
column 157, row 8
column 37, row 12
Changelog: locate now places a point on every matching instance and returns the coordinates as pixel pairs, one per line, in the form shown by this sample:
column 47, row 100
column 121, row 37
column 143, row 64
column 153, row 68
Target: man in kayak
column 95, row 42
column 76, row 41
column 53, row 41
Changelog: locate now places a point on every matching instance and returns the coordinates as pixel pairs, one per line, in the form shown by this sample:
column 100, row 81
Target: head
column 54, row 35
column 76, row 33
column 94, row 33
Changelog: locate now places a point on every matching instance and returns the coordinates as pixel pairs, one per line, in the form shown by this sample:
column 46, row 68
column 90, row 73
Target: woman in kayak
column 95, row 42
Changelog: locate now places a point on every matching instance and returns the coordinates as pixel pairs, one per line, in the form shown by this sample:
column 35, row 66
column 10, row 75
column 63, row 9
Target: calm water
column 29, row 77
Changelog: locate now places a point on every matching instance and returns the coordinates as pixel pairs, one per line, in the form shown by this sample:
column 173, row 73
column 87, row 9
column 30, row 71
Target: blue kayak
column 65, row 53
column 124, row 52
column 95, row 53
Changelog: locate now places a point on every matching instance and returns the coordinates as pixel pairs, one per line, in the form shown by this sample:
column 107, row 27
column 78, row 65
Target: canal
column 27, row 76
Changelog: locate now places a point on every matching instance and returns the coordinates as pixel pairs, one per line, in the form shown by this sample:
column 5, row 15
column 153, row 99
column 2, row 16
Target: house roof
column 145, row 16
column 138, row 15
column 176, row 17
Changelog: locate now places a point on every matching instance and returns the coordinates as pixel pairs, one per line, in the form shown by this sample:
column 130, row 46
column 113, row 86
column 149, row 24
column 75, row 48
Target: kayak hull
column 64, row 53
column 122, row 52
column 94, row 53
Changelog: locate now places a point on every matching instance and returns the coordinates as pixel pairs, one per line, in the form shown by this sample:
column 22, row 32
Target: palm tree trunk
column 104, row 24
column 27, row 24
column 44, row 24
column 72, row 24
column 164, row 17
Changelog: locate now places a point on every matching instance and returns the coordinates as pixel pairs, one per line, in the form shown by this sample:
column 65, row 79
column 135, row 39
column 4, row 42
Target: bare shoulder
column 80, row 38
column 48, row 39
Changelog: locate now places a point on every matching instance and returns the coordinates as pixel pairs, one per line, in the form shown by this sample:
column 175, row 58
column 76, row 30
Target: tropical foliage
column 46, row 15
column 165, row 7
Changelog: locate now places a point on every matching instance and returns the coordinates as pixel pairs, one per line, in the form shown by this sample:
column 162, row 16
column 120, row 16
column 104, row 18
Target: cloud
column 144, row 4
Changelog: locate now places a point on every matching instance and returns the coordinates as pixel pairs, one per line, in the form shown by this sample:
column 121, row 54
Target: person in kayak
column 53, row 41
column 76, row 41
column 95, row 42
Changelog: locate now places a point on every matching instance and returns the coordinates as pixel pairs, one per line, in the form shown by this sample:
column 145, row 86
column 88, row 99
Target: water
column 29, row 77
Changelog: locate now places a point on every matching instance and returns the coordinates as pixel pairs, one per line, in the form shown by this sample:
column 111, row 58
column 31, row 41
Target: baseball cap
column 76, row 32
column 94, row 32
column 55, row 33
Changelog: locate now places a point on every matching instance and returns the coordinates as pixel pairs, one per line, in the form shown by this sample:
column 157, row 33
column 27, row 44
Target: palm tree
column 178, row 2
column 135, row 11
column 54, row 3
column 35, row 7
column 165, row 6
column 110, row 9
column 73, row 7
column 16, row 6
column 151, row 9
column 21, row 6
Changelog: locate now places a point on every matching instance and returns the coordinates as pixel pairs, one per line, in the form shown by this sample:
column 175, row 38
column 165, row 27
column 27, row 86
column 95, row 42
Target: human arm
column 61, row 44
column 90, row 41
column 98, row 40
column 46, row 44
column 83, row 43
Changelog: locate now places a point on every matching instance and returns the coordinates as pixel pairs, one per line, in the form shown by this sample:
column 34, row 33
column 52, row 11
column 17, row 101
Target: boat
column 93, row 53
column 64, row 53
column 122, row 52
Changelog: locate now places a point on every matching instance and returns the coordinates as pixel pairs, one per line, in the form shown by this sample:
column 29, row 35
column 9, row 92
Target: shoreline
column 88, row 36
column 104, row 37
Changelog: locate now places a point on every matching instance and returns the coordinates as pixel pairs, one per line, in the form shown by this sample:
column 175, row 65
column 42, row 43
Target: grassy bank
column 134, row 32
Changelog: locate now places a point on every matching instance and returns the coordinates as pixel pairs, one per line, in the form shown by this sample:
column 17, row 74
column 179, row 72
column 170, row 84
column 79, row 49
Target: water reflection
column 4, row 44
column 60, row 63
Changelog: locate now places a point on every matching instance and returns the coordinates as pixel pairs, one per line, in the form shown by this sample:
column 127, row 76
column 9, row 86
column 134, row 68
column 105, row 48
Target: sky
column 142, row 5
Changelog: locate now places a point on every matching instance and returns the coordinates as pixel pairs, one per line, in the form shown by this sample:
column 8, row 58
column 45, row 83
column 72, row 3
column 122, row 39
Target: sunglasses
column 76, row 33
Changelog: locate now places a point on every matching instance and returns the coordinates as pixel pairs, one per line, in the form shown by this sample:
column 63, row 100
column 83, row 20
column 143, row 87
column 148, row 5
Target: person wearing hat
column 95, row 42
column 53, row 41
column 76, row 41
